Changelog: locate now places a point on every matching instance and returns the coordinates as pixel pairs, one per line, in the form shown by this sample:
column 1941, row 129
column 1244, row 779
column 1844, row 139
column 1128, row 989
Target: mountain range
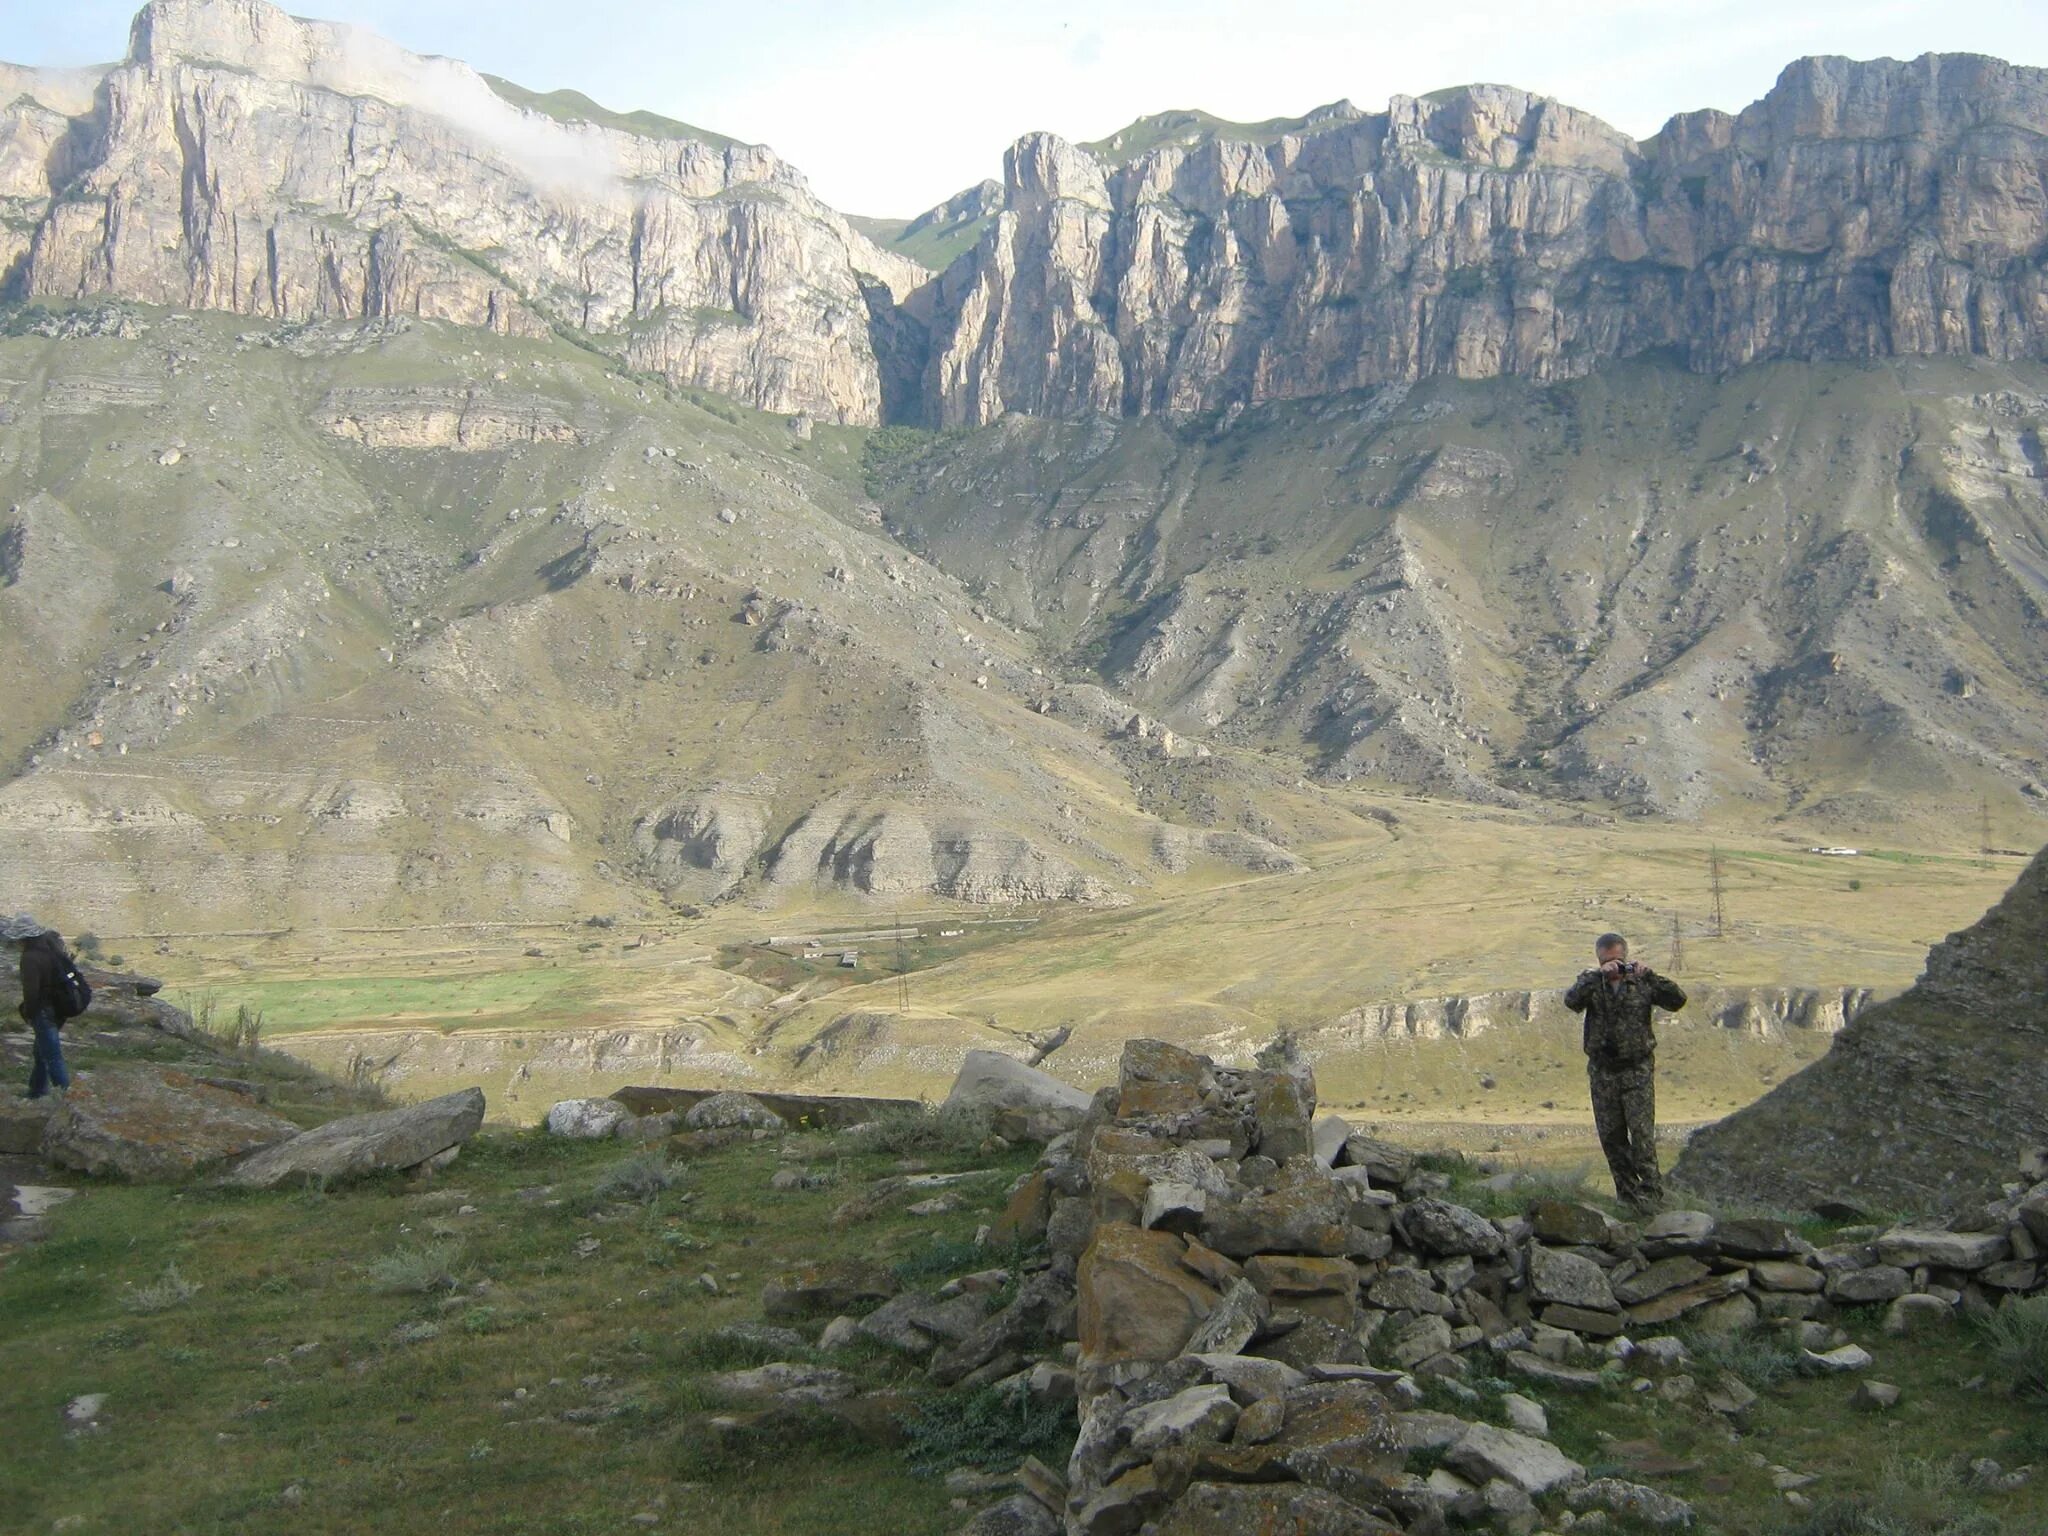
column 428, row 498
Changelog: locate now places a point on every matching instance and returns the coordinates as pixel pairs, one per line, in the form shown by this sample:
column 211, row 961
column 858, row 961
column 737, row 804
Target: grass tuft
column 416, row 1268
column 945, row 1129
column 640, row 1177
column 169, row 1290
column 2019, row 1345
column 993, row 1427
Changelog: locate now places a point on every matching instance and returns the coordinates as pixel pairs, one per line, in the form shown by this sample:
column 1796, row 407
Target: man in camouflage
column 1621, row 1063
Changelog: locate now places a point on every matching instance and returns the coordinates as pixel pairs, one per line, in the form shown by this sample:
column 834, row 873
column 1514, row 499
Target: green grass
column 287, row 1005
column 575, row 107
column 290, row 1363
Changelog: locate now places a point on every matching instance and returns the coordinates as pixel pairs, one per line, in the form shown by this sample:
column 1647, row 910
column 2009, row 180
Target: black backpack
column 74, row 992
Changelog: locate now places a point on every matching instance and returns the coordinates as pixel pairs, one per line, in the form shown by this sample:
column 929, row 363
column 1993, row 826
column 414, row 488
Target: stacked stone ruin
column 1259, row 1298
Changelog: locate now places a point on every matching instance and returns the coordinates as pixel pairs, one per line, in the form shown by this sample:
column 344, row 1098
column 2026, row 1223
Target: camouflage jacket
column 1617, row 1013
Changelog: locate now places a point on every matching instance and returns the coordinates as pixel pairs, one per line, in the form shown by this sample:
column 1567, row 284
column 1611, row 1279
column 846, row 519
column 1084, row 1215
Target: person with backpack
column 52, row 992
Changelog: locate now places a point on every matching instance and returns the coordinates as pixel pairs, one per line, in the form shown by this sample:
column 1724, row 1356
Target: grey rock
column 364, row 1144
column 1859, row 1287
column 1231, row 1323
column 1632, row 1501
column 731, row 1111
column 1532, row 1465
column 991, row 1080
column 1439, row 1227
column 1526, row 1415
column 1196, row 1414
column 1556, row 1275
column 1912, row 1247
column 587, row 1119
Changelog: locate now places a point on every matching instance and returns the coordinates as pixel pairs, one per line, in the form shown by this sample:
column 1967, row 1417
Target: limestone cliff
column 1924, row 1101
column 241, row 159
column 1859, row 210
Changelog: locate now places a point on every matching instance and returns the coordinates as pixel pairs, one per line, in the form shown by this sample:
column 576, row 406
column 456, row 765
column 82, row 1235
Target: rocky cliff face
column 1926, row 1101
column 1859, row 210
column 241, row 159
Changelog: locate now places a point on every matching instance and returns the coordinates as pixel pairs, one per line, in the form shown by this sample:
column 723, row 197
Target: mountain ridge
column 1183, row 266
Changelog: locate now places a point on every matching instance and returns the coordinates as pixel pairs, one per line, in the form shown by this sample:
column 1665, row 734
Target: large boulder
column 1137, row 1300
column 362, row 1144
column 156, row 1125
column 1923, row 1102
column 992, row 1081
column 732, row 1111
column 587, row 1119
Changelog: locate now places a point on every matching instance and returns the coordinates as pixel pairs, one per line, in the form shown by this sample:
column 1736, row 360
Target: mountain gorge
column 426, row 499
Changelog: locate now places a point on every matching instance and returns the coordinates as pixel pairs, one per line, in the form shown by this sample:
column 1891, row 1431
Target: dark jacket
column 41, row 972
column 1618, row 1031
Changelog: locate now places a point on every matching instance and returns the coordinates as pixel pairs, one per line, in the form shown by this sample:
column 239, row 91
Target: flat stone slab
column 364, row 1144
column 1532, row 1465
column 1911, row 1247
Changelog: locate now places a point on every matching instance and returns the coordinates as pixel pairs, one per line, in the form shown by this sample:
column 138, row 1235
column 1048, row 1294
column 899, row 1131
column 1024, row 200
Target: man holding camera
column 1621, row 1063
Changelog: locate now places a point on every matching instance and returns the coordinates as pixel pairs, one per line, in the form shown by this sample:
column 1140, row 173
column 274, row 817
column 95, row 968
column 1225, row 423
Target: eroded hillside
column 1812, row 588
column 412, row 623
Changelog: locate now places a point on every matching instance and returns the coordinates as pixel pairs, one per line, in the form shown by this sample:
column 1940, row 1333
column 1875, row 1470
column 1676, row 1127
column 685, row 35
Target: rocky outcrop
column 1763, row 1011
column 242, row 159
column 1925, row 1100
column 153, row 1125
column 894, row 852
column 1859, row 210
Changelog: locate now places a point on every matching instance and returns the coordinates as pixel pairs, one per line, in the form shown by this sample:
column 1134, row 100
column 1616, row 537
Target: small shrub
column 941, row 1258
column 416, row 1268
column 2019, row 1345
column 724, row 1349
column 242, row 1032
column 946, row 1129
column 1761, row 1359
column 639, row 1177
column 990, row 1428
column 87, row 943
column 171, row 1289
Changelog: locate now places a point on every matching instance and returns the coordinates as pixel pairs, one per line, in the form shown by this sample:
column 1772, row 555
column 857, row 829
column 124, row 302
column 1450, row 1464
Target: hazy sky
column 890, row 105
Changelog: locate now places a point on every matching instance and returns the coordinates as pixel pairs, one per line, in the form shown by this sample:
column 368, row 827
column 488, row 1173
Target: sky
column 890, row 106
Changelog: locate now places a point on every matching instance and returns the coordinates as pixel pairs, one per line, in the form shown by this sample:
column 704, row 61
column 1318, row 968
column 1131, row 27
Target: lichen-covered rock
column 155, row 1125
column 1138, row 1302
column 731, row 1111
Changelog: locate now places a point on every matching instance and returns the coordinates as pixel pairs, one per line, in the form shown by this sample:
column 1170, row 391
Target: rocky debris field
column 1185, row 1304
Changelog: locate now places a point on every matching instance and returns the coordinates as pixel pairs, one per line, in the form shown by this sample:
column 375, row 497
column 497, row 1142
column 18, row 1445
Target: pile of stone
column 1259, row 1297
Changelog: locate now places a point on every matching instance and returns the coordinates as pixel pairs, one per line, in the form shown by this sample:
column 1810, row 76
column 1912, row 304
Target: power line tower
column 902, row 969
column 1714, row 869
column 1983, row 831
column 1677, row 945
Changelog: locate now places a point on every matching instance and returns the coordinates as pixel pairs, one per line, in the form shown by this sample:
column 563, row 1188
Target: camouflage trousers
column 1625, row 1114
